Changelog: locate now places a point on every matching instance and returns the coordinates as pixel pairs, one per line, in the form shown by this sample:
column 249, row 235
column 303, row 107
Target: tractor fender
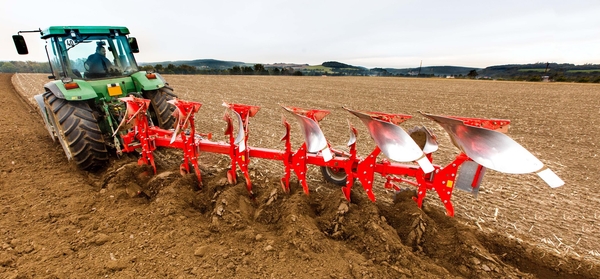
column 143, row 83
column 83, row 92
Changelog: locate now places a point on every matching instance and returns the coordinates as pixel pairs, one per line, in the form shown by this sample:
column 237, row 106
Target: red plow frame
column 480, row 141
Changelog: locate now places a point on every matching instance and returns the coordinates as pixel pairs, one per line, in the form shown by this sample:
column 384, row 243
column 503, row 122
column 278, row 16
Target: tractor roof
column 64, row 30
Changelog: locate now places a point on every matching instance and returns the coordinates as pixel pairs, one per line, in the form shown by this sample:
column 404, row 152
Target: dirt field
column 59, row 222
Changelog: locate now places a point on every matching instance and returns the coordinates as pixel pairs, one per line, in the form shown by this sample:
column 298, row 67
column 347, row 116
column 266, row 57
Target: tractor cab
column 93, row 68
column 88, row 52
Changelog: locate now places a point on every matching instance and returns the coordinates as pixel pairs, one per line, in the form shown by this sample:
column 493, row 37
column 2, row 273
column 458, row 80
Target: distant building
column 545, row 78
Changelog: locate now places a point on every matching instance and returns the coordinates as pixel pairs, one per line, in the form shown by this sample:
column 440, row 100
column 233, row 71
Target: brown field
column 60, row 222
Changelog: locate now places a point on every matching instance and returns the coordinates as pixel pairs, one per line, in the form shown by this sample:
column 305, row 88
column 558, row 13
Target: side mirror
column 20, row 44
column 133, row 45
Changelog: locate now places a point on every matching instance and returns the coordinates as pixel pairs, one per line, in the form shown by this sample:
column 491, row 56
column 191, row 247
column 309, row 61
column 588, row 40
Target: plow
column 114, row 106
column 407, row 156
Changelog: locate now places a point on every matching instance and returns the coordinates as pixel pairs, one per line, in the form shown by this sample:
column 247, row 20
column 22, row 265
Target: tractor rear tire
column 78, row 132
column 161, row 111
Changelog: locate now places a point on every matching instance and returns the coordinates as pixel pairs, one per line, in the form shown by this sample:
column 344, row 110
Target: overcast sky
column 369, row 33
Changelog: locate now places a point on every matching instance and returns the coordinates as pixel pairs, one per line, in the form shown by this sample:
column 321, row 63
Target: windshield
column 91, row 57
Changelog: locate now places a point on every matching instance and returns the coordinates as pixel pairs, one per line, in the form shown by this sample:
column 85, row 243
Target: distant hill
column 531, row 72
column 202, row 63
column 540, row 69
column 334, row 67
column 286, row 65
column 564, row 72
column 433, row 70
column 338, row 65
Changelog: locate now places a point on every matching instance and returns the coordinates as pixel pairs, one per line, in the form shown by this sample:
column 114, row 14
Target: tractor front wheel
column 78, row 132
column 161, row 111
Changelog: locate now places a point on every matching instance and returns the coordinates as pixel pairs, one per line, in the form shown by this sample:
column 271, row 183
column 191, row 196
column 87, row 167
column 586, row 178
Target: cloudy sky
column 373, row 33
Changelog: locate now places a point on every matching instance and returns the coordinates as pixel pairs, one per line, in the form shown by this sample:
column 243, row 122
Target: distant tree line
column 24, row 67
column 587, row 73
column 557, row 77
column 257, row 69
column 545, row 71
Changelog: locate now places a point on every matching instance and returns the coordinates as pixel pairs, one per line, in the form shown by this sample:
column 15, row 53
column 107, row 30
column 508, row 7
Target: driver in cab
column 97, row 65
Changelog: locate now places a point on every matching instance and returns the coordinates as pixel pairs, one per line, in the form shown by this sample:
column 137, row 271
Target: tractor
column 92, row 67
column 100, row 101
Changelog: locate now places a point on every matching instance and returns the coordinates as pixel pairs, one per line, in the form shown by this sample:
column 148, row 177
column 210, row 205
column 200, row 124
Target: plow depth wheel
column 161, row 111
column 78, row 131
column 335, row 176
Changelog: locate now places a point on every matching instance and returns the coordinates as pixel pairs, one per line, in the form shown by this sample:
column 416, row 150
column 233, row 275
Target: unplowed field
column 60, row 222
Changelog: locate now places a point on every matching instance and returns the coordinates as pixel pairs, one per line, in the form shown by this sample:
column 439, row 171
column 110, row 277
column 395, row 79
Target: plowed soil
column 57, row 221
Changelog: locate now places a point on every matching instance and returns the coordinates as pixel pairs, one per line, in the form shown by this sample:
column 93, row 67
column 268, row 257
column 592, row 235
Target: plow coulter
column 408, row 156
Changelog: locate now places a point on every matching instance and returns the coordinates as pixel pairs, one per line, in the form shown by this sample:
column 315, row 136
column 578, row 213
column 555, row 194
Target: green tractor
column 92, row 67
